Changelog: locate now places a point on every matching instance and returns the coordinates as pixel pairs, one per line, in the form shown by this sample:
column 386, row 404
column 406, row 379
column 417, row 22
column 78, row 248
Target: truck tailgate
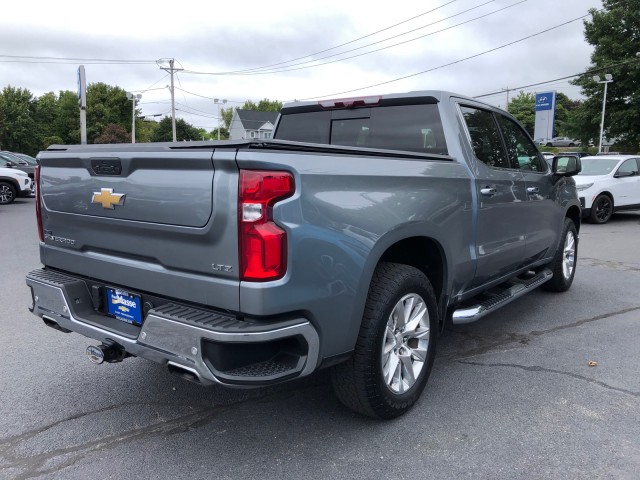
column 161, row 221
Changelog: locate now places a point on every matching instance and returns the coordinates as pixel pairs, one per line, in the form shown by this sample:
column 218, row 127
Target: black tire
column 360, row 382
column 7, row 193
column 566, row 254
column 549, row 144
column 601, row 210
column 572, row 144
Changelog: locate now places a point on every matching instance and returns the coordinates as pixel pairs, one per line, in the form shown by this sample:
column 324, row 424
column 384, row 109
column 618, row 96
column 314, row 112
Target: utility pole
column 171, row 69
column 608, row 78
column 217, row 102
column 134, row 99
column 507, row 90
column 82, row 103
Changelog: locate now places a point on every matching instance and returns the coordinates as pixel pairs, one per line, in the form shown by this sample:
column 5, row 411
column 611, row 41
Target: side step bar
column 476, row 312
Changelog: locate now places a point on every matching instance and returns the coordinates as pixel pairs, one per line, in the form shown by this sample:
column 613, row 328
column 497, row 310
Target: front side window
column 629, row 167
column 485, row 137
column 521, row 151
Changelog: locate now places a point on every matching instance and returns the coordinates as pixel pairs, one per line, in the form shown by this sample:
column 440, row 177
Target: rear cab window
column 415, row 128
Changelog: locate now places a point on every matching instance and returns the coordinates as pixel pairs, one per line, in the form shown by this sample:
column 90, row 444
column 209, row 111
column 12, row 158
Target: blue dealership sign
column 544, row 101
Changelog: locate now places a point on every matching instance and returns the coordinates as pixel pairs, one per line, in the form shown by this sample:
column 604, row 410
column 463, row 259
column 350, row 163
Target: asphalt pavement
column 547, row 387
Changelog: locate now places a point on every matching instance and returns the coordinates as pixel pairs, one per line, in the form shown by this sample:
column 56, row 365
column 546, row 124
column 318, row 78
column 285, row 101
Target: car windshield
column 598, row 166
column 30, row 160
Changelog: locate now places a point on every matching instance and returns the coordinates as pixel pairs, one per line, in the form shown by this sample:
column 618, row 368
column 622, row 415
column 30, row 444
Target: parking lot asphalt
column 511, row 396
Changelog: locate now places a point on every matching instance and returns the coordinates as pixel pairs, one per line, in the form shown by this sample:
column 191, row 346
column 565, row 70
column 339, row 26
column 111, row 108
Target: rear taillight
column 36, row 180
column 262, row 243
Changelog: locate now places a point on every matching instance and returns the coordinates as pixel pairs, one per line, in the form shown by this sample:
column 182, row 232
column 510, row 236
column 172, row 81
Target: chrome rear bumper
column 183, row 337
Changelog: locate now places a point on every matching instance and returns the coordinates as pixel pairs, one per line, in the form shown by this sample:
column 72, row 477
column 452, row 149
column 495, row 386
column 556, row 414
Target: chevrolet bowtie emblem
column 107, row 198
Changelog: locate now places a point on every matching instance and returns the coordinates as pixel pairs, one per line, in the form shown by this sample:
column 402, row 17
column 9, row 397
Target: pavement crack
column 559, row 372
column 595, row 262
column 32, row 465
column 487, row 344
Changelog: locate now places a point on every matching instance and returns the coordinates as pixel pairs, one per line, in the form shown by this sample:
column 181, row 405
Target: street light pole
column 217, row 102
column 608, row 78
column 134, row 100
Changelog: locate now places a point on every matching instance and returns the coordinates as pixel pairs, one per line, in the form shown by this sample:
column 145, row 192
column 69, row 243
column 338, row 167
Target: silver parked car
column 562, row 142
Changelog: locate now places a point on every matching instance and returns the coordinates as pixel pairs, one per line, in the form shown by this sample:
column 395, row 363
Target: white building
column 248, row 124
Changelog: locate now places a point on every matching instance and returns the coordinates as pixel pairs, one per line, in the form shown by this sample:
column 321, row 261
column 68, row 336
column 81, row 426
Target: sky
column 286, row 50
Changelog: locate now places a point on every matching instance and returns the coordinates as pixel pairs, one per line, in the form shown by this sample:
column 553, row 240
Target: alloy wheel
column 405, row 343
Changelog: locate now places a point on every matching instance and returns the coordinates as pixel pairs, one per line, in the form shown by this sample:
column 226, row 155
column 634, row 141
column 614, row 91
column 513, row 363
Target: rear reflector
column 262, row 243
column 36, row 180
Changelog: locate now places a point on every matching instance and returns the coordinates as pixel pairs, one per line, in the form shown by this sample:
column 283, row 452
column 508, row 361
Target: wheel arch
column 575, row 214
column 14, row 183
column 423, row 253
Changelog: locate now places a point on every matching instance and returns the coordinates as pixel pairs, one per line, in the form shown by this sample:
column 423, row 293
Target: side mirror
column 566, row 165
column 10, row 164
column 624, row 174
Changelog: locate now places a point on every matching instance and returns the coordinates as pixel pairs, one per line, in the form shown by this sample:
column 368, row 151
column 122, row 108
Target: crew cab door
column 627, row 183
column 544, row 218
column 502, row 198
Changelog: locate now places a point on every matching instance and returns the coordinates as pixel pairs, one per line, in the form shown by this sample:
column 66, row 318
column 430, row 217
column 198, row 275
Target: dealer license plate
column 124, row 306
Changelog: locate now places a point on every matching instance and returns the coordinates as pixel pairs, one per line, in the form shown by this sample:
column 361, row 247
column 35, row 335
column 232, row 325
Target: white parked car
column 608, row 184
column 14, row 183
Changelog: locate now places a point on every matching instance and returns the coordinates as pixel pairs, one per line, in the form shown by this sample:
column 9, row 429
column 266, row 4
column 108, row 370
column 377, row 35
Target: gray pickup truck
column 349, row 241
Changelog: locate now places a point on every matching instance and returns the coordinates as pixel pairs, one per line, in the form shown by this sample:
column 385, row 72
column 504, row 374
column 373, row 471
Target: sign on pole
column 545, row 115
column 82, row 103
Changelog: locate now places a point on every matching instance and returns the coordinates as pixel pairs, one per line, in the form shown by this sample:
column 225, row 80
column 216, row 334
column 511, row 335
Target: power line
column 346, row 43
column 288, row 69
column 40, row 59
column 452, row 63
column 588, row 72
column 204, row 96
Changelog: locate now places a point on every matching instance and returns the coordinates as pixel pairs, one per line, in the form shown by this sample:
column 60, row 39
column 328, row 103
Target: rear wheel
column 602, row 209
column 7, row 193
column 564, row 261
column 396, row 346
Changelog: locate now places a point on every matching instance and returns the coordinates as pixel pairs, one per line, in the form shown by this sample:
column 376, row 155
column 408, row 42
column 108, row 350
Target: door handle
column 533, row 190
column 488, row 191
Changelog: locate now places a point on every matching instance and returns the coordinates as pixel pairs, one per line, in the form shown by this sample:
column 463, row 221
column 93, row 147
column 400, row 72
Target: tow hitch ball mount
column 109, row 352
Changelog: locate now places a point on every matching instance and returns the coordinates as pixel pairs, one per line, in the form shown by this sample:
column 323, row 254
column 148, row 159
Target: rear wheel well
column 423, row 253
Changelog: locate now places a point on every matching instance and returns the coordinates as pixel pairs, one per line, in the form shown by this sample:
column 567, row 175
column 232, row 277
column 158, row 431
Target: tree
column 16, row 120
column 106, row 105
column 67, row 124
column 614, row 33
column 522, row 107
column 45, row 114
column 114, row 133
column 224, row 134
column 184, row 131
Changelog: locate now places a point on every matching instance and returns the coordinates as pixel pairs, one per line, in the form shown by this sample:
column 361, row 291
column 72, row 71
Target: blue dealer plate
column 124, row 306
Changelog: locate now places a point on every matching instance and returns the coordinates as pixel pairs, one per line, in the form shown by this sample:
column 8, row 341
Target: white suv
column 607, row 184
column 14, row 183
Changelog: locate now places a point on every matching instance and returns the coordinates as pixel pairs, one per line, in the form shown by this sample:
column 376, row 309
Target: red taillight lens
column 263, row 244
column 36, row 180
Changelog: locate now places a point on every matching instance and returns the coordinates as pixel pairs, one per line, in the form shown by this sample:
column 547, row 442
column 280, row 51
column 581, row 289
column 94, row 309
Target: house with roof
column 249, row 124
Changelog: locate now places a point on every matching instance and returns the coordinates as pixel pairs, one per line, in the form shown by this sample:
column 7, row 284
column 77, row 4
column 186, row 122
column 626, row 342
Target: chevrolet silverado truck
column 348, row 241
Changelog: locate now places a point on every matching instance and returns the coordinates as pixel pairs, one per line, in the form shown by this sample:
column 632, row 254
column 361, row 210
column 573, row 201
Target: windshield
column 30, row 160
column 598, row 166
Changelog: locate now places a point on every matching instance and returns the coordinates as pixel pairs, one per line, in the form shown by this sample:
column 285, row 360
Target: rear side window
column 416, row 128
